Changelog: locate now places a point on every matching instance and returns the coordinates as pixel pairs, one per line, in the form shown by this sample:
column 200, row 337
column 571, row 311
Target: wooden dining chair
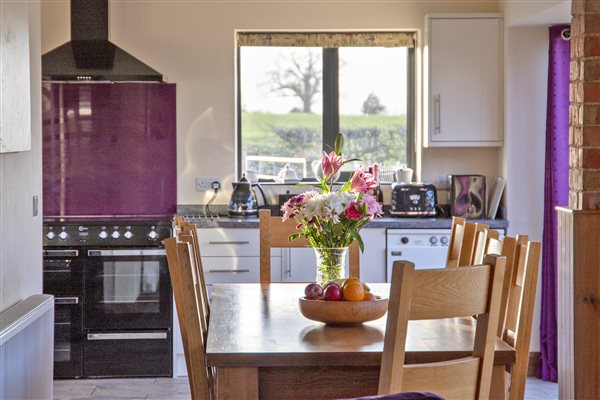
column 519, row 316
column 456, row 239
column 193, row 323
column 274, row 233
column 437, row 294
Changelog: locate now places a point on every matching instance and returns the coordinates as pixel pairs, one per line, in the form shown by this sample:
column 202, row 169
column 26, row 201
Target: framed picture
column 468, row 196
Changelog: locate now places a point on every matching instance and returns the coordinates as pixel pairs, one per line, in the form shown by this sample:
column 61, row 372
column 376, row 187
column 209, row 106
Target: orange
column 369, row 297
column 349, row 280
column 354, row 291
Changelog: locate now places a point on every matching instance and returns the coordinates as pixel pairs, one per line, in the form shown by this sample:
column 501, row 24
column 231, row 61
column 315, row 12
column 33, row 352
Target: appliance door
column 63, row 271
column 127, row 289
column 68, row 337
column 422, row 257
column 128, row 353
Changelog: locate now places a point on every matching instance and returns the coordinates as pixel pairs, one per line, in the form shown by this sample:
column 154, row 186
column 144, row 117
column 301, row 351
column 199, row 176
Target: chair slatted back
column 517, row 331
column 191, row 233
column 456, row 239
column 442, row 293
column 473, row 244
column 274, row 233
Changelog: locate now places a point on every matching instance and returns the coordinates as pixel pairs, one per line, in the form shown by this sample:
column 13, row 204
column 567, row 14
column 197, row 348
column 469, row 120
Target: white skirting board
column 27, row 349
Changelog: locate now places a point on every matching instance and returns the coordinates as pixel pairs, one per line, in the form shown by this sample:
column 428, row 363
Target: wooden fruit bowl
column 343, row 312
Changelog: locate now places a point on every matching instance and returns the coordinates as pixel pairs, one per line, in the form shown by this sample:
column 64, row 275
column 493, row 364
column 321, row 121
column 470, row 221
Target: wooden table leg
column 498, row 387
column 237, row 383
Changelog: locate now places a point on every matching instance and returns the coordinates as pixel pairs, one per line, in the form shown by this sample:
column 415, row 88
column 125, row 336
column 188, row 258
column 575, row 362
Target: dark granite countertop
column 384, row 222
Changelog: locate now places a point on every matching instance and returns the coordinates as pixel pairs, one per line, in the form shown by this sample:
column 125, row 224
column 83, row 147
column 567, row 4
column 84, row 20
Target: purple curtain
column 556, row 189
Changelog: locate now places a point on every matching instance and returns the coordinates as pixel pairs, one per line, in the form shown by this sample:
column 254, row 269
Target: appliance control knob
column 404, row 240
column 50, row 235
column 63, row 235
column 433, row 240
column 128, row 235
column 153, row 235
column 115, row 235
column 103, row 234
column 82, row 228
column 444, row 240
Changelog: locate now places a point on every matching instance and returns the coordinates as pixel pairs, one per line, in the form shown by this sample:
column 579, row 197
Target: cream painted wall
column 527, row 73
column 20, row 180
column 192, row 44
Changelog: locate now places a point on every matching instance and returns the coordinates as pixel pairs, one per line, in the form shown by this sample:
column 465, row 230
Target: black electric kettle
column 243, row 201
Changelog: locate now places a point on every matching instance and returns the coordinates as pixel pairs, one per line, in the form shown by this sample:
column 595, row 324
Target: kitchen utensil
column 468, row 196
column 243, row 201
column 413, row 200
column 252, row 176
column 404, row 174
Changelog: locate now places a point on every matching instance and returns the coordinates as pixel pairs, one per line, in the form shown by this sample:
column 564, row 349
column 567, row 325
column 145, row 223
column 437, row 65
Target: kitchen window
column 296, row 91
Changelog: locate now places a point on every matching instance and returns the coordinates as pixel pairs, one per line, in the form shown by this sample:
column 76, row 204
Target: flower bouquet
column 331, row 219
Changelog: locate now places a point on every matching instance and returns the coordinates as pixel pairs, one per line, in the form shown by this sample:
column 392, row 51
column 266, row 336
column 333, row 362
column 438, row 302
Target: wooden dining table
column 263, row 347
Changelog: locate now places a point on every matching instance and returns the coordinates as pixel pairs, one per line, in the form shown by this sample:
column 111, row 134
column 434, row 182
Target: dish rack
column 387, row 175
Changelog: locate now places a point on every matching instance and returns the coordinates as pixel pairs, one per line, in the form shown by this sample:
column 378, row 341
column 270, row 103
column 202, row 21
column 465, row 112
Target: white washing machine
column 426, row 248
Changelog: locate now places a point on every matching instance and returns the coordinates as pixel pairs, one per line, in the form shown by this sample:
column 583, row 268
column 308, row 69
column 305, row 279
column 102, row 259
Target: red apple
column 333, row 293
column 313, row 290
column 330, row 283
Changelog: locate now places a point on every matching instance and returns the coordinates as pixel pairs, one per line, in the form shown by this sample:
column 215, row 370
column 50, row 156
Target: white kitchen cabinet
column 464, row 80
column 372, row 261
column 299, row 265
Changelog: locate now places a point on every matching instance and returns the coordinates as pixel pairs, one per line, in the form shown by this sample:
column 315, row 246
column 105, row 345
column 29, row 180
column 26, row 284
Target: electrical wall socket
column 203, row 183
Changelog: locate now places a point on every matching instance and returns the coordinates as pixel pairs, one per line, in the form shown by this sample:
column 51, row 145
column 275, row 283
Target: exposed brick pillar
column 584, row 125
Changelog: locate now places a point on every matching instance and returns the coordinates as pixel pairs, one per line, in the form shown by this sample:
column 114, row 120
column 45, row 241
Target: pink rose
column 330, row 165
column 289, row 206
column 352, row 212
column 362, row 181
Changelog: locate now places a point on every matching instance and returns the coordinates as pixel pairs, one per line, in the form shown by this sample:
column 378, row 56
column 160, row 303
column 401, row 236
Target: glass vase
column 331, row 263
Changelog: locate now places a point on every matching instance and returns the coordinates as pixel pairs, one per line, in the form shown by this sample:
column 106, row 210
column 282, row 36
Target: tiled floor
column 178, row 389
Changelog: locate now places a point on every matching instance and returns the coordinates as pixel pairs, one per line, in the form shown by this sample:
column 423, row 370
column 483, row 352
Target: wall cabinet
column 464, row 80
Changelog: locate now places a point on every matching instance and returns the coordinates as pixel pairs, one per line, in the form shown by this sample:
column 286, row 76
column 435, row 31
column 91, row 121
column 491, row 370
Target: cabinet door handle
column 396, row 253
column 229, row 242
column 231, row 271
column 437, row 99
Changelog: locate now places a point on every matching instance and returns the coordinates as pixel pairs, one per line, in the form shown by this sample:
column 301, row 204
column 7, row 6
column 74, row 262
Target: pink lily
column 362, row 181
column 330, row 165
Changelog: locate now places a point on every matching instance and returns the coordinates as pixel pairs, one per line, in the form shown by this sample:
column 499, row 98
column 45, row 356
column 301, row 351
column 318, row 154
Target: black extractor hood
column 90, row 56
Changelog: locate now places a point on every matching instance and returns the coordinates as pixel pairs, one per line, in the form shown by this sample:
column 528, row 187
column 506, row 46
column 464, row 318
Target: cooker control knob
column 128, row 235
column 404, row 240
column 433, row 240
column 50, row 235
column 444, row 240
column 63, row 235
column 115, row 235
column 103, row 234
column 153, row 235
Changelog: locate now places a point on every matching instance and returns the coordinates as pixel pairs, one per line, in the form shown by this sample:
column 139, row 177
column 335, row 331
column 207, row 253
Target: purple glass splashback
column 109, row 149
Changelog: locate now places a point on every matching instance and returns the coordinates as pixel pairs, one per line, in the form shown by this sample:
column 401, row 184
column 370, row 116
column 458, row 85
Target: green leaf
column 360, row 196
column 339, row 144
column 293, row 236
column 350, row 160
column 346, row 186
column 357, row 237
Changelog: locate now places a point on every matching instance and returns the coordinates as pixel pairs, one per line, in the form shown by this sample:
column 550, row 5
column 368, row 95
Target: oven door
column 63, row 272
column 127, row 289
column 68, row 337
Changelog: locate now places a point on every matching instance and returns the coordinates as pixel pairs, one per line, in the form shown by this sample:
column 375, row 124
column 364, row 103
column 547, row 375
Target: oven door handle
column 127, row 336
column 64, row 253
column 126, row 252
column 66, row 300
column 396, row 253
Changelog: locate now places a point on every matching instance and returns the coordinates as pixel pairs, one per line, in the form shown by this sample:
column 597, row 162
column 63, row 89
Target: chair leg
column 498, row 387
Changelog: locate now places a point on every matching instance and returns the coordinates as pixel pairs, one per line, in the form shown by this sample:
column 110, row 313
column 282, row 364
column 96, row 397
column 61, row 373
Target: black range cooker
column 113, row 296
